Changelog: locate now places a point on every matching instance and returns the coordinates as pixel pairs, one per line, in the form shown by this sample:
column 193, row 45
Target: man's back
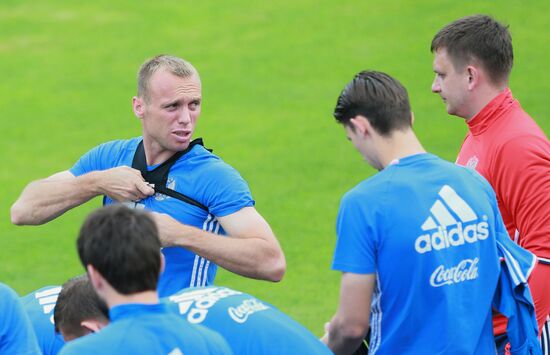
column 508, row 148
column 427, row 228
column 16, row 333
column 148, row 329
column 249, row 325
column 39, row 306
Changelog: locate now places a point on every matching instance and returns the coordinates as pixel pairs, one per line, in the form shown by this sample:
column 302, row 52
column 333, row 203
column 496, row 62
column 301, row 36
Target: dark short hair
column 123, row 245
column 78, row 302
column 478, row 38
column 379, row 98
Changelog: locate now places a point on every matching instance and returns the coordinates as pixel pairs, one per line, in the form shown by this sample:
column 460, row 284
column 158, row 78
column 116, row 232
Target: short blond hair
column 174, row 65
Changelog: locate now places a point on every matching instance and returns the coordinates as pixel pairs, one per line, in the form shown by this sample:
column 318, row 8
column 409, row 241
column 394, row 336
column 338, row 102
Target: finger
column 145, row 189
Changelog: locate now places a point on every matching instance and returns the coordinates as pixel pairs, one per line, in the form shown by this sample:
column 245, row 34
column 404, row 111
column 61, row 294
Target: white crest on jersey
column 444, row 230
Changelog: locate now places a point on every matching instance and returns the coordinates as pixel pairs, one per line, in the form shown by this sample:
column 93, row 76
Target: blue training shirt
column 147, row 329
column 39, row 306
column 16, row 333
column 427, row 228
column 198, row 174
column 249, row 325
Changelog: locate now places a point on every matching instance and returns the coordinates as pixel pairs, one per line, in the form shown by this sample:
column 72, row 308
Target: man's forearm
column 44, row 200
column 252, row 257
column 343, row 339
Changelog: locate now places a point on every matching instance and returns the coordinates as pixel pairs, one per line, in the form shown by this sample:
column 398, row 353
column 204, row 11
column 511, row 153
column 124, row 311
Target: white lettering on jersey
column 197, row 303
column 465, row 270
column 444, row 231
column 241, row 313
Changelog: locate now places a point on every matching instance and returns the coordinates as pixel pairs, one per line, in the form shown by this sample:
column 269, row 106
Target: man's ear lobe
column 138, row 107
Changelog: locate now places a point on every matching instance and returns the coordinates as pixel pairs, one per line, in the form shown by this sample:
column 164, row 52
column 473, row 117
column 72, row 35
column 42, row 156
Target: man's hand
column 169, row 229
column 124, row 184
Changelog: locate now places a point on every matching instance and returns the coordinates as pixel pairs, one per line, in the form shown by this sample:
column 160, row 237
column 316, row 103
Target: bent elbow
column 16, row 215
column 21, row 217
column 278, row 269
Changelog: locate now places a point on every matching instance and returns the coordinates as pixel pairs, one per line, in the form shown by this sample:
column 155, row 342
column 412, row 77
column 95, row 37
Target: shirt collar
column 131, row 310
column 491, row 112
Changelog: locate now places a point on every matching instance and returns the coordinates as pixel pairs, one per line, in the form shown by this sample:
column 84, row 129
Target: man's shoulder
column 8, row 297
column 121, row 144
column 206, row 165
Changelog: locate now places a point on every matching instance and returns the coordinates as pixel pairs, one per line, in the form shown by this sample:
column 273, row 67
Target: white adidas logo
column 444, row 211
column 47, row 299
column 195, row 304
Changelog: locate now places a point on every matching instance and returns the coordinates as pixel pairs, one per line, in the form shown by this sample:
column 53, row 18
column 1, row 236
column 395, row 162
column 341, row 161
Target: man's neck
column 401, row 144
column 146, row 297
column 154, row 153
column 482, row 97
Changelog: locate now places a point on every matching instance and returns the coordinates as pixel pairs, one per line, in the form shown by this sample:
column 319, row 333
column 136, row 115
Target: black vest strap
column 159, row 175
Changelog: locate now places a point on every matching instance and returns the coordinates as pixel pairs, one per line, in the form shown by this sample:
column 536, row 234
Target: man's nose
column 435, row 86
column 184, row 116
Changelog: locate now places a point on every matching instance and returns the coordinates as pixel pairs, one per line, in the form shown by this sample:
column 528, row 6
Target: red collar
column 491, row 112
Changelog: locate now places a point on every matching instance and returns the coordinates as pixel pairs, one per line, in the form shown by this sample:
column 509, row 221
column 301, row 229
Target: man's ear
column 162, row 263
column 138, row 107
column 474, row 76
column 95, row 277
column 91, row 325
column 362, row 125
column 412, row 118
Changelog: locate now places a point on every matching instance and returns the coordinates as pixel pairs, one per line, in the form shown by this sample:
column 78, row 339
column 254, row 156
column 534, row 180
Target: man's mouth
column 182, row 135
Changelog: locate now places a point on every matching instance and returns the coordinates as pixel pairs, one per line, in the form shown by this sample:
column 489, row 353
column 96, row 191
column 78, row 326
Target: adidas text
column 458, row 235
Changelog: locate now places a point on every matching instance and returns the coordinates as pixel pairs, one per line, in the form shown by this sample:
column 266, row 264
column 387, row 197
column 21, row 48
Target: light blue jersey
column 427, row 229
column 39, row 306
column 198, row 174
column 147, row 329
column 249, row 326
column 16, row 332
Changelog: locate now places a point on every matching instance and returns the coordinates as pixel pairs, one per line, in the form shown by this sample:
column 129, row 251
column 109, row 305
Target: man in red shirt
column 472, row 64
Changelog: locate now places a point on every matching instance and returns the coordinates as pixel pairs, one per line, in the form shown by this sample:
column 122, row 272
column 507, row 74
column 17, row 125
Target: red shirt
column 510, row 150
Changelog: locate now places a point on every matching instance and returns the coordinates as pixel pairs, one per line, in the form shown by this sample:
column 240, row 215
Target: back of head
column 174, row 65
column 378, row 97
column 78, row 302
column 478, row 38
column 122, row 244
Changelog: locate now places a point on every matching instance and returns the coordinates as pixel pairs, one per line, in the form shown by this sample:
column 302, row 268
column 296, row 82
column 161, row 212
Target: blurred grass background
column 271, row 74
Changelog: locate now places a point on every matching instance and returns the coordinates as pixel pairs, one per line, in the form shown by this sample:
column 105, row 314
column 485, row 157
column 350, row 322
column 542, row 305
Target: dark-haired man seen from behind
column 418, row 239
column 75, row 305
column 249, row 325
column 472, row 64
column 120, row 249
column 79, row 311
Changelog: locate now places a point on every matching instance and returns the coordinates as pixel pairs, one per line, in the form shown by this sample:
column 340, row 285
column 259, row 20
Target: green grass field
column 271, row 74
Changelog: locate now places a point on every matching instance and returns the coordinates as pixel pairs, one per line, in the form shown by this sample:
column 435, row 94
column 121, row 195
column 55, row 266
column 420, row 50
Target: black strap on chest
column 159, row 175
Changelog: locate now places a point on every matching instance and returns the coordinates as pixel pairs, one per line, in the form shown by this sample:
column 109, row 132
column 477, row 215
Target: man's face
column 171, row 113
column 450, row 84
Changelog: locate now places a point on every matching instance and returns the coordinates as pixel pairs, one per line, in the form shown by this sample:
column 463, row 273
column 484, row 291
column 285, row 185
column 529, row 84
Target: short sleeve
column 226, row 191
column 106, row 156
column 356, row 247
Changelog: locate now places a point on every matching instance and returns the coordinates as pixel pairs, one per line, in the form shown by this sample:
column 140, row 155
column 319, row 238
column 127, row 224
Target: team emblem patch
column 171, row 184
column 472, row 162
